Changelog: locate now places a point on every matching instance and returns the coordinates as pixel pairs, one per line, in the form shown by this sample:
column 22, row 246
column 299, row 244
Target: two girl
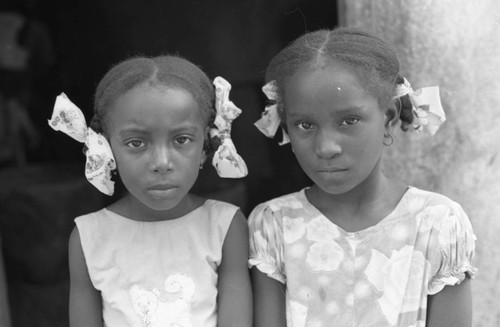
column 354, row 249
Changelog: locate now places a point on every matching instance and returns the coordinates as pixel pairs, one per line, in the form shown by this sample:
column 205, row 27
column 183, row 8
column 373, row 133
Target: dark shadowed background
column 67, row 46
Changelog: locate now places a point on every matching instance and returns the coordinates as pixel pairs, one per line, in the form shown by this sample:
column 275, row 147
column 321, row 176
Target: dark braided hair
column 169, row 70
column 370, row 58
column 405, row 107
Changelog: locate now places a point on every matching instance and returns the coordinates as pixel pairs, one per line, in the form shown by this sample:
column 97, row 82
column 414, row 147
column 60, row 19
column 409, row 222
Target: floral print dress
column 379, row 276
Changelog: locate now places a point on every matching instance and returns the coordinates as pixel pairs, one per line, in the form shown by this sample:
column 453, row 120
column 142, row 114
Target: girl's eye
column 135, row 144
column 304, row 126
column 349, row 121
column 182, row 140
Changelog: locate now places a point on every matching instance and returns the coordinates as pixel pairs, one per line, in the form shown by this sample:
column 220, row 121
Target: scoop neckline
column 402, row 203
column 173, row 220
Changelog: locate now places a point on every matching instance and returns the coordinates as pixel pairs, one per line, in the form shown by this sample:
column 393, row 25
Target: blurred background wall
column 454, row 44
column 56, row 46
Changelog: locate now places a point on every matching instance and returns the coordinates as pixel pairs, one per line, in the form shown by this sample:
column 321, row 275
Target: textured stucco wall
column 455, row 44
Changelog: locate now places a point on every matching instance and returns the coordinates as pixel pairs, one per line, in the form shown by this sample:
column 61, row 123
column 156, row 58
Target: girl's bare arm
column 452, row 307
column 234, row 299
column 269, row 300
column 85, row 307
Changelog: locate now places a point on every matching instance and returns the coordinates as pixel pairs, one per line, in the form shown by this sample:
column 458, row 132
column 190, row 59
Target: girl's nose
column 328, row 144
column 162, row 160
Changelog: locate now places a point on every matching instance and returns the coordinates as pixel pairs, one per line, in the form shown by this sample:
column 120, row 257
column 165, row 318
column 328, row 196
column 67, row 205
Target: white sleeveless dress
column 161, row 273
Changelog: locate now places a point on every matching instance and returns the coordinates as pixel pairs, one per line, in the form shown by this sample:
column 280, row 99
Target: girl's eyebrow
column 339, row 112
column 131, row 129
column 349, row 110
column 132, row 126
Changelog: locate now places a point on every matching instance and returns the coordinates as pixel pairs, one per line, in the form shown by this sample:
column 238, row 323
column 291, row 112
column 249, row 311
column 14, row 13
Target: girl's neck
column 363, row 206
column 130, row 207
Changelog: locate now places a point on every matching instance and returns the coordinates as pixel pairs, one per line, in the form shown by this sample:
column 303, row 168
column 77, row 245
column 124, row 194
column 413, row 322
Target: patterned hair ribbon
column 426, row 106
column 226, row 159
column 270, row 120
column 69, row 119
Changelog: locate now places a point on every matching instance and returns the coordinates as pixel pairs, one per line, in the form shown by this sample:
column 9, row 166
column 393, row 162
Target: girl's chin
column 333, row 188
column 163, row 205
column 170, row 205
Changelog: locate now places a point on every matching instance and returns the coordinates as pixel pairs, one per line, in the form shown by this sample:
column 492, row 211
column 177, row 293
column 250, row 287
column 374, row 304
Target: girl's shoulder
column 432, row 208
column 216, row 205
column 272, row 212
column 96, row 221
column 210, row 206
column 91, row 216
column 218, row 213
column 290, row 201
column 418, row 199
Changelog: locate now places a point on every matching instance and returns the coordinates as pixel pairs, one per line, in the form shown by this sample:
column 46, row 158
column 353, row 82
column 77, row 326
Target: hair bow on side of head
column 69, row 119
column 426, row 106
column 270, row 120
column 226, row 159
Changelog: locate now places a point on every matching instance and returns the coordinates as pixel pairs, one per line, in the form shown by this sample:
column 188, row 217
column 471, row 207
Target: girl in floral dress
column 356, row 248
column 158, row 256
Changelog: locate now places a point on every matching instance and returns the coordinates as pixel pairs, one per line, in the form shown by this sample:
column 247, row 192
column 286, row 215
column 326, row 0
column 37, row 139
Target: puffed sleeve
column 456, row 244
column 266, row 242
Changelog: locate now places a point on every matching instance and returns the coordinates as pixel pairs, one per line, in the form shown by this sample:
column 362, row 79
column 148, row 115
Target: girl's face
column 336, row 128
column 157, row 135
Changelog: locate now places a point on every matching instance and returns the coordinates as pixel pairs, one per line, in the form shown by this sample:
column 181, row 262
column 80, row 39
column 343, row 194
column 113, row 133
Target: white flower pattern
column 424, row 219
column 391, row 276
column 294, row 229
column 447, row 228
column 325, row 256
column 296, row 314
column 320, row 229
column 374, row 276
column 171, row 308
column 145, row 302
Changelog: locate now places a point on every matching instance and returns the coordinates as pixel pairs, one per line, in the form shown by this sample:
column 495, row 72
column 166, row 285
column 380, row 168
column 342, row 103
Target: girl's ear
column 203, row 159
column 391, row 117
column 206, row 145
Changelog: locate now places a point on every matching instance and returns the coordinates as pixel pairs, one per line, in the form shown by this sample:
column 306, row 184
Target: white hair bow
column 226, row 159
column 426, row 106
column 270, row 120
column 69, row 119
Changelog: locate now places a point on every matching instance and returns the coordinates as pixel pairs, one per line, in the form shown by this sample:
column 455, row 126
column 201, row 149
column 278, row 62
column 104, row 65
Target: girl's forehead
column 329, row 90
column 148, row 88
column 313, row 82
column 150, row 105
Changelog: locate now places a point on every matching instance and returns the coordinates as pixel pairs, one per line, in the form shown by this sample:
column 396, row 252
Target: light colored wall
column 454, row 44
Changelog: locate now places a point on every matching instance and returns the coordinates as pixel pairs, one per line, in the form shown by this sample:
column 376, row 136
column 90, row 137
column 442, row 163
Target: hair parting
column 369, row 57
column 169, row 71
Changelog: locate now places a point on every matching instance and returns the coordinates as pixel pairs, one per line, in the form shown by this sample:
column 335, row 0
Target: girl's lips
column 161, row 187
column 331, row 170
column 162, row 191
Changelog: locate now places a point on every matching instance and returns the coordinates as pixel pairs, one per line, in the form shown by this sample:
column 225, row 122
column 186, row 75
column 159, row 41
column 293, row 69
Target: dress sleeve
column 266, row 242
column 456, row 243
